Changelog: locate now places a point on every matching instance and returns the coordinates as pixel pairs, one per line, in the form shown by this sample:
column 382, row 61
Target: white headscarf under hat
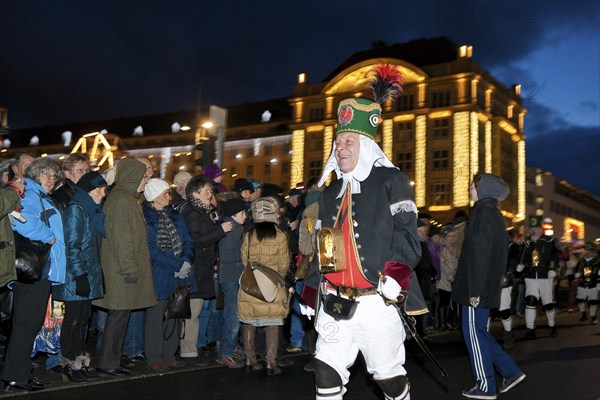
column 370, row 155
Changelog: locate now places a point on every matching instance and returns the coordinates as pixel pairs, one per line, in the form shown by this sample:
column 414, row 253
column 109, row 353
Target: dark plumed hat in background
column 90, row 181
column 535, row 221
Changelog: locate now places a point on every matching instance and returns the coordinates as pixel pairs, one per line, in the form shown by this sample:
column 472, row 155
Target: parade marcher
column 477, row 287
column 372, row 205
column 587, row 274
column 83, row 221
column 508, row 282
column 538, row 266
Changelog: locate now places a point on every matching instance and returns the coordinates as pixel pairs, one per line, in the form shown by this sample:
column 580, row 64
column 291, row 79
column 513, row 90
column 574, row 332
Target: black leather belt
column 352, row 292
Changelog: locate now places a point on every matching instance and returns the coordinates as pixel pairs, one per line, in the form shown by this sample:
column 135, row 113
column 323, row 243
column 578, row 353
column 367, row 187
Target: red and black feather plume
column 387, row 84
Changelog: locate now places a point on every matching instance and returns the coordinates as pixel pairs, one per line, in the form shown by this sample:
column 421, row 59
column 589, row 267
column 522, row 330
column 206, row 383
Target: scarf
column 93, row 210
column 206, row 208
column 166, row 233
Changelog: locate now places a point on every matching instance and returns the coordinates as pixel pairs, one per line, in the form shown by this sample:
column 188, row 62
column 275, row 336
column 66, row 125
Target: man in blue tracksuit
column 478, row 285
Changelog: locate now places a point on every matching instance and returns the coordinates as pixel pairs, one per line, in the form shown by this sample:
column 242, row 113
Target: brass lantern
column 332, row 255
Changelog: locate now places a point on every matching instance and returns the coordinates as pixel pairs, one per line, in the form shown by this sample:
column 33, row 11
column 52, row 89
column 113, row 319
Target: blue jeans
column 231, row 323
column 210, row 320
column 297, row 331
column 484, row 352
column 134, row 336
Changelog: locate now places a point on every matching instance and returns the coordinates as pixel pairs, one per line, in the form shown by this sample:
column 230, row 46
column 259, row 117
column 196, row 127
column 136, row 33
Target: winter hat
column 90, row 181
column 182, row 177
column 492, row 186
column 265, row 209
column 295, row 192
column 212, row 171
column 420, row 223
column 242, row 184
column 232, row 206
column 255, row 184
column 154, row 188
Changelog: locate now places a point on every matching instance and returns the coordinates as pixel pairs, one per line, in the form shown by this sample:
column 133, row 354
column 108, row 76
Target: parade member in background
column 372, row 204
column 587, row 274
column 538, row 266
column 477, row 287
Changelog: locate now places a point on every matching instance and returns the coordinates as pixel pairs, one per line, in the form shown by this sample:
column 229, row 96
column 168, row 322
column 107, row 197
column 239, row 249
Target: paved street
column 565, row 367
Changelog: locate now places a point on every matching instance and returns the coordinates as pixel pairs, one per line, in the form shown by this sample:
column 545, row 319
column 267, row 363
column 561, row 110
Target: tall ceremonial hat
column 535, row 221
column 361, row 115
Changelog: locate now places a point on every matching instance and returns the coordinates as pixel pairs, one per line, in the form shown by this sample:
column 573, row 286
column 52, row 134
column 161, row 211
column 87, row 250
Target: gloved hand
column 474, row 301
column 389, row 288
column 577, row 275
column 82, row 285
column 306, row 310
column 520, row 267
column 551, row 274
column 184, row 271
column 132, row 278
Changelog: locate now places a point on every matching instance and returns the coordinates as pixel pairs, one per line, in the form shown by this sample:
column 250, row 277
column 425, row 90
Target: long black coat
column 206, row 235
column 482, row 262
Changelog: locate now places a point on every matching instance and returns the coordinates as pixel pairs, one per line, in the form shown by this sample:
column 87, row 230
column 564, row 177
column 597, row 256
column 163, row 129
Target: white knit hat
column 154, row 188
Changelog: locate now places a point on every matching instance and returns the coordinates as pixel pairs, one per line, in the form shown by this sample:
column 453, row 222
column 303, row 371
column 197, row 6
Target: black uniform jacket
column 380, row 235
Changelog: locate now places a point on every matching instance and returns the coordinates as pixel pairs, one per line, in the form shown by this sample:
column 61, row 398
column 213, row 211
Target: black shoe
column 553, row 331
column 127, row 363
column 113, row 372
column 89, row 374
column 31, row 386
column 530, row 334
column 583, row 317
column 72, row 375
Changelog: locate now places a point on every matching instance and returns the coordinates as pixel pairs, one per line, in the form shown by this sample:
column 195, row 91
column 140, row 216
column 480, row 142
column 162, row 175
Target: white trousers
column 376, row 330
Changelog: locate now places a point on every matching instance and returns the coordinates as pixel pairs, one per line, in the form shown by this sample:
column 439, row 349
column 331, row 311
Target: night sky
column 73, row 61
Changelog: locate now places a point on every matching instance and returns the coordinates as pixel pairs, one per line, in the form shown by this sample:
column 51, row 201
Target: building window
column 405, row 102
column 440, row 194
column 405, row 131
column 440, row 99
column 285, row 168
column 315, row 141
column 266, row 170
column 250, row 152
column 405, row 161
column 314, row 168
column 249, row 170
column 268, row 149
column 315, row 114
column 529, row 198
column 440, row 127
column 287, row 147
column 440, row 159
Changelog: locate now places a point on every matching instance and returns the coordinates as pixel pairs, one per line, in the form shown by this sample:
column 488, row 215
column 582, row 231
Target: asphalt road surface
column 564, row 367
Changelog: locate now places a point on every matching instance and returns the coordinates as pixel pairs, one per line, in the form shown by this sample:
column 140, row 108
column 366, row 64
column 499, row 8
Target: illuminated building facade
column 453, row 120
column 574, row 212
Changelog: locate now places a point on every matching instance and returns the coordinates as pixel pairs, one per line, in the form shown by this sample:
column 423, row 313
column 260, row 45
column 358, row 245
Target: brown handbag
column 248, row 283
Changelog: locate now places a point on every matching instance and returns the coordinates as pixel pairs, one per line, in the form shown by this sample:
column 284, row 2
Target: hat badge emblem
column 345, row 115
